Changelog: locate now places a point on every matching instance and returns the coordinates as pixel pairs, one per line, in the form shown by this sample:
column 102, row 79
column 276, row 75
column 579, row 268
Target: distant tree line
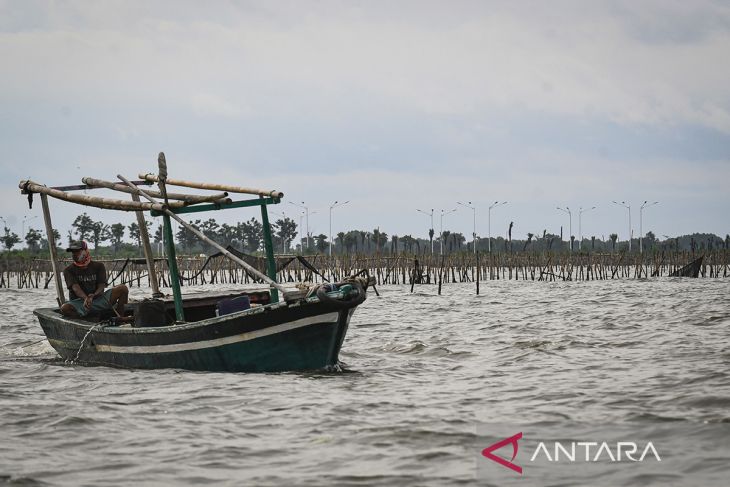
column 248, row 236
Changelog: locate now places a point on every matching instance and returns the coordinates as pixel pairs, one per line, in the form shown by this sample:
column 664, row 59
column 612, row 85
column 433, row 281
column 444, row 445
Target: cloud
column 206, row 104
column 395, row 103
column 582, row 61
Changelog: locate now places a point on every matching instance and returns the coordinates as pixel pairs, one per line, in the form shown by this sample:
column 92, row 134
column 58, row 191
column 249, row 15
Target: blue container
column 233, row 305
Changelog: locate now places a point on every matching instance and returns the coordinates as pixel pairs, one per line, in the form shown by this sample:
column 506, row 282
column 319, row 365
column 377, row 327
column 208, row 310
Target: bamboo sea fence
column 404, row 268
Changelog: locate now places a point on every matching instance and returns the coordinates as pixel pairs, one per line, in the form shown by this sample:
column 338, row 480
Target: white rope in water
column 82, row 343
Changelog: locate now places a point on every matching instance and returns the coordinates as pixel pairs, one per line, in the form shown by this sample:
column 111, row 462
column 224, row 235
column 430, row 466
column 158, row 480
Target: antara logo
column 487, row 452
column 593, row 452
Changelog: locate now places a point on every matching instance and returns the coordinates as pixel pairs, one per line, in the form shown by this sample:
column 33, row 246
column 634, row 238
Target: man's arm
column 78, row 290
column 100, row 285
column 97, row 292
column 100, row 279
column 88, row 298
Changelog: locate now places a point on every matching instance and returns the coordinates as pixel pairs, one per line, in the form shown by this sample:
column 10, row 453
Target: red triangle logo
column 487, row 452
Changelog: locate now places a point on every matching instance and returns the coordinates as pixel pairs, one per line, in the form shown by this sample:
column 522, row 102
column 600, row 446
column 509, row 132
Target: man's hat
column 76, row 245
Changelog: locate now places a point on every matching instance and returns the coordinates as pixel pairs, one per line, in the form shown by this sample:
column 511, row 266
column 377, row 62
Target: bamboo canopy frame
column 167, row 209
column 29, row 186
column 212, row 186
column 213, row 243
column 220, row 198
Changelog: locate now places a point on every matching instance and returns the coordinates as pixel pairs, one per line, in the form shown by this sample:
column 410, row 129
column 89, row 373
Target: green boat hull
column 278, row 338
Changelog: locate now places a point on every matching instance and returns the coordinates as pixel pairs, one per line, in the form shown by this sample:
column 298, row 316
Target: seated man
column 86, row 280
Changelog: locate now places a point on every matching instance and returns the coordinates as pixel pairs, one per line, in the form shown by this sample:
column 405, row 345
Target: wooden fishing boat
column 276, row 329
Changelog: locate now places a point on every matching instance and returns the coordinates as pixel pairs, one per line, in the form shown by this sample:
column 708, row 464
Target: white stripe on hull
column 328, row 318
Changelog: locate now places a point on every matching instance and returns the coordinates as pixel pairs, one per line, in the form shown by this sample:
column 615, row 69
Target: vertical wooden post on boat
column 52, row 249
column 172, row 263
column 269, row 247
column 145, row 238
column 169, row 242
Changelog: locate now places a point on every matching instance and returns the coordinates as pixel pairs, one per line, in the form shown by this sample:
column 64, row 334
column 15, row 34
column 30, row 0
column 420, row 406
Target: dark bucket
column 151, row 312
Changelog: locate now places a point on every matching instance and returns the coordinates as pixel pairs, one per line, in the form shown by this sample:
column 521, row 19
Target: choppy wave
column 421, row 371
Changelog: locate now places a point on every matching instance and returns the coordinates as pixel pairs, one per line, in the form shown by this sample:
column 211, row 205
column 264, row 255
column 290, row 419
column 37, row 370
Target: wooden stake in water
column 413, row 276
column 478, row 273
column 441, row 271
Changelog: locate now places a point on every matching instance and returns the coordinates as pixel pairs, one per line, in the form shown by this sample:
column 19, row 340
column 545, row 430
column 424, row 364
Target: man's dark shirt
column 87, row 277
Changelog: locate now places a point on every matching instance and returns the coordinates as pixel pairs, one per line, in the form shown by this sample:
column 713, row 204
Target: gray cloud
column 571, row 101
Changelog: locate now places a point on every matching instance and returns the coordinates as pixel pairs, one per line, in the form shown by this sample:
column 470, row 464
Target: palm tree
column 407, row 242
column 458, row 239
column 321, row 242
column 445, row 237
column 117, row 234
column 341, row 238
column 99, row 233
column 9, row 239
column 613, row 238
column 529, row 239
column 376, row 238
column 351, row 239
column 83, row 224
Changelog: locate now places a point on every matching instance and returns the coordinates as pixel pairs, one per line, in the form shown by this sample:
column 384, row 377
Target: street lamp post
column 301, row 217
column 580, row 232
column 441, row 231
column 474, row 232
column 641, row 229
column 489, row 221
column 5, row 222
column 431, row 215
column 334, row 205
column 628, row 207
column 306, row 209
column 570, row 224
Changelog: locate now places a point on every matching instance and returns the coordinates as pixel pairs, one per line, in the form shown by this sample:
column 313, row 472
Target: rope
column 309, row 266
column 232, row 250
column 282, row 265
column 132, row 279
column 82, row 342
column 30, row 194
column 120, row 271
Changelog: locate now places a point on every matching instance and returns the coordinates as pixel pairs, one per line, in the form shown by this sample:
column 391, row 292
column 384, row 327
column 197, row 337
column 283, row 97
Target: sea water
column 424, row 376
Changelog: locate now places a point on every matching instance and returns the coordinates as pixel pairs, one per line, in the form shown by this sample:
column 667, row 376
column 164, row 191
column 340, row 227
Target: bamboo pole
column 145, row 238
column 215, row 187
column 95, row 201
column 220, row 198
column 52, row 250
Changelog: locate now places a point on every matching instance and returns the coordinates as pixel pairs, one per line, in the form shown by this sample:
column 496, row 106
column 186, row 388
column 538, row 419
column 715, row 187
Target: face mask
column 82, row 259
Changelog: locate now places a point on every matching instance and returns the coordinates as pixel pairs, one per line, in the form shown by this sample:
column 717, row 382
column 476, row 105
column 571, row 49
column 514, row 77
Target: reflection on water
column 421, row 371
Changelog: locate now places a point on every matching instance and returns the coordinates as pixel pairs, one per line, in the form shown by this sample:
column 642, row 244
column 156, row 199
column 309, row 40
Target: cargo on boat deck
column 232, row 305
column 151, row 312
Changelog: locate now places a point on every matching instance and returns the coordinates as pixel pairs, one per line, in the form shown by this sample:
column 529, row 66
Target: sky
column 392, row 106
